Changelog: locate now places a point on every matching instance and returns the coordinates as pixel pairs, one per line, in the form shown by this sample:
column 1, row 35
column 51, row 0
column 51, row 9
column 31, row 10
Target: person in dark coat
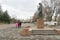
column 19, row 24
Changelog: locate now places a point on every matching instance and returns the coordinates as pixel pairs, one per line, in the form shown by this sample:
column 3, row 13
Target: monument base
column 40, row 23
column 45, row 31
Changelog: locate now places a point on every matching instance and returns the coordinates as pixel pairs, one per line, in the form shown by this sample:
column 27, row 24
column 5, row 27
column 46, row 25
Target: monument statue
column 40, row 21
column 40, row 15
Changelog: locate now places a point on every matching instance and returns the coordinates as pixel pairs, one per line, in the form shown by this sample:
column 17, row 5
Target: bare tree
column 47, row 10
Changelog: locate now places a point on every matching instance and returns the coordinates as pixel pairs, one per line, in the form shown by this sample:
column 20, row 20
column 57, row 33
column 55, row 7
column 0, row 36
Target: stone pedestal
column 25, row 32
column 40, row 23
column 58, row 31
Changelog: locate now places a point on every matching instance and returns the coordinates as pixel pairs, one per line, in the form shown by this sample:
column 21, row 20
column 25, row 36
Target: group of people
column 18, row 24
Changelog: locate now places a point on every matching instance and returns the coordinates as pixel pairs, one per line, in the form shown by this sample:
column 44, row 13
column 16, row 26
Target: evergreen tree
column 1, row 12
column 6, row 17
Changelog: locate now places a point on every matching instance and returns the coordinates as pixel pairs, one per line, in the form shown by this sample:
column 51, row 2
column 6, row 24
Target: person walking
column 16, row 24
column 19, row 24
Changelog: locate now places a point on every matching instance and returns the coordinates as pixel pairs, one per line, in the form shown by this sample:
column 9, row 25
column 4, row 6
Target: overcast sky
column 20, row 8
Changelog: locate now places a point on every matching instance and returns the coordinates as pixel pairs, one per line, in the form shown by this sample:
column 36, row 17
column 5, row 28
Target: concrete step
column 44, row 32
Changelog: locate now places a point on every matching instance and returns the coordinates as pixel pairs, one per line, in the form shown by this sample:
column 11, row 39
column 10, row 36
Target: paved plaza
column 13, row 33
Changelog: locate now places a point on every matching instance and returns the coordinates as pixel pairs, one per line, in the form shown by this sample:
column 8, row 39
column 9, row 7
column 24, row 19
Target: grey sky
column 20, row 8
